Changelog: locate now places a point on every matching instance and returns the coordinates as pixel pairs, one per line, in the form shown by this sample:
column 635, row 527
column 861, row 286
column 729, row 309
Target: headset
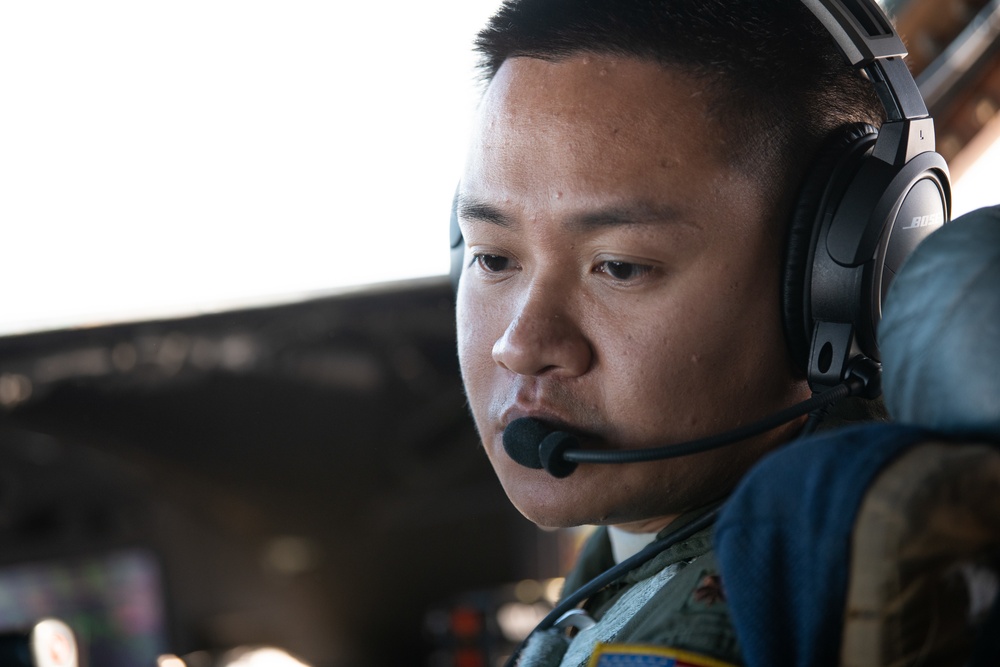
column 869, row 198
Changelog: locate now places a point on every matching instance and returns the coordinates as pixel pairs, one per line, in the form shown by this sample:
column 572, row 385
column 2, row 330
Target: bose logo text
column 934, row 219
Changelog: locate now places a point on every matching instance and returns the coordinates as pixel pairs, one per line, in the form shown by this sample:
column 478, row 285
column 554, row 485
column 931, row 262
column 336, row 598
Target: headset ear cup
column 457, row 245
column 838, row 160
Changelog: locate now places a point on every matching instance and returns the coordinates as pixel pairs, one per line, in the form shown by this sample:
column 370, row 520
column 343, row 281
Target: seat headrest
column 940, row 330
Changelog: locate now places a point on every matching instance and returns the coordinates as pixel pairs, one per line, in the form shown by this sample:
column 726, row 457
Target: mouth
column 549, row 422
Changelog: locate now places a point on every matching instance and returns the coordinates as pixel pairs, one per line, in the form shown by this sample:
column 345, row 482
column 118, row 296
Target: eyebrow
column 480, row 211
column 636, row 213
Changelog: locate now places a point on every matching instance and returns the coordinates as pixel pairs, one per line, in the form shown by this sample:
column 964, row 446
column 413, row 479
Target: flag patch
column 631, row 655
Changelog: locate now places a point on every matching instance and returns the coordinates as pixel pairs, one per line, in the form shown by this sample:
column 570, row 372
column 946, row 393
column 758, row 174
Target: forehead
column 591, row 123
column 594, row 82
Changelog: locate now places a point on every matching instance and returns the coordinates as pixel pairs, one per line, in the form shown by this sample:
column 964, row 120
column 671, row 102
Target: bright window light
column 169, row 158
column 260, row 657
column 977, row 167
column 161, row 158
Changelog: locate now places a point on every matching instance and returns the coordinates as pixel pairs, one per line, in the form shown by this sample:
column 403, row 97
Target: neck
column 625, row 544
column 653, row 525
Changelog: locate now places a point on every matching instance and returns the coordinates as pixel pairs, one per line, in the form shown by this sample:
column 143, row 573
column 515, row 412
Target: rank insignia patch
column 630, row 655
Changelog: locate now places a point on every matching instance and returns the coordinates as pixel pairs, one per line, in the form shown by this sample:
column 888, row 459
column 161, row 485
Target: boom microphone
column 534, row 444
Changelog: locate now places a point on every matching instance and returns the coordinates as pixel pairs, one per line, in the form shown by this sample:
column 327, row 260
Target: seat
column 880, row 544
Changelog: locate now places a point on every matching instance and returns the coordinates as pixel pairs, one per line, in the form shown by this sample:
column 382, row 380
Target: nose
column 544, row 338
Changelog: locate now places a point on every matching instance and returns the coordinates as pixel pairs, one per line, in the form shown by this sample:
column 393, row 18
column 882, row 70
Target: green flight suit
column 676, row 600
column 688, row 612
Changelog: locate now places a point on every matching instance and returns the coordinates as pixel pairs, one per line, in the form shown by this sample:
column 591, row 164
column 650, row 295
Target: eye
column 623, row 271
column 491, row 263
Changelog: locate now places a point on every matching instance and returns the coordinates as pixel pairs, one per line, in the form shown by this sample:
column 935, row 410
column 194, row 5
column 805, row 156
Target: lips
column 519, row 412
column 551, row 419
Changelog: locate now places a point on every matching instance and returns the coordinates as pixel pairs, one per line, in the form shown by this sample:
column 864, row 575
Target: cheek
column 476, row 334
column 468, row 336
column 707, row 337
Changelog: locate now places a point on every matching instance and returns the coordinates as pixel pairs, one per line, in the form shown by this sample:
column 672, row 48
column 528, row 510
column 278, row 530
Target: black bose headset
column 870, row 197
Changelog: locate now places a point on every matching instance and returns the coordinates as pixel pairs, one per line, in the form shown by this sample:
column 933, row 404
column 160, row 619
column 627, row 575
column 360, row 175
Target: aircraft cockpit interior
column 233, row 425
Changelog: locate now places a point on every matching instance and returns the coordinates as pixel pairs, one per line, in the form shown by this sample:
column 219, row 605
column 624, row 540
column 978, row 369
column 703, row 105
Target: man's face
column 621, row 282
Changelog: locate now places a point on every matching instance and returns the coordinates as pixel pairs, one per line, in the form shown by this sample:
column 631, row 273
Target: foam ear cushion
column 457, row 246
column 839, row 158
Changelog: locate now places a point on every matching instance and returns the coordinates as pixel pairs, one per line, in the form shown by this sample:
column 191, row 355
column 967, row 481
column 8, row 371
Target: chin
column 545, row 515
column 548, row 521
column 552, row 513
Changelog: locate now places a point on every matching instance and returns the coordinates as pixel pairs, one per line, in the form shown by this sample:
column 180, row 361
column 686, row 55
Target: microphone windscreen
column 521, row 439
column 940, row 330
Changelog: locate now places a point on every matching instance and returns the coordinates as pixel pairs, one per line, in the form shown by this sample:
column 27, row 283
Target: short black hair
column 776, row 81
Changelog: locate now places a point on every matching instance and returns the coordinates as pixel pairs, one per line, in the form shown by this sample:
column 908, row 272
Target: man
column 624, row 210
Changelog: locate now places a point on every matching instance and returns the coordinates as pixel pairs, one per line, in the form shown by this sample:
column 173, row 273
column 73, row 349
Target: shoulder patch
column 633, row 655
column 708, row 592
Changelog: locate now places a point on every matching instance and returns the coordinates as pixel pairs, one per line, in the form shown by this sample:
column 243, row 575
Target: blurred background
column 232, row 430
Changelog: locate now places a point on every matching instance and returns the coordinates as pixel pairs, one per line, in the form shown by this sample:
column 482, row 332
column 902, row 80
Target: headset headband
column 860, row 28
column 868, row 41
